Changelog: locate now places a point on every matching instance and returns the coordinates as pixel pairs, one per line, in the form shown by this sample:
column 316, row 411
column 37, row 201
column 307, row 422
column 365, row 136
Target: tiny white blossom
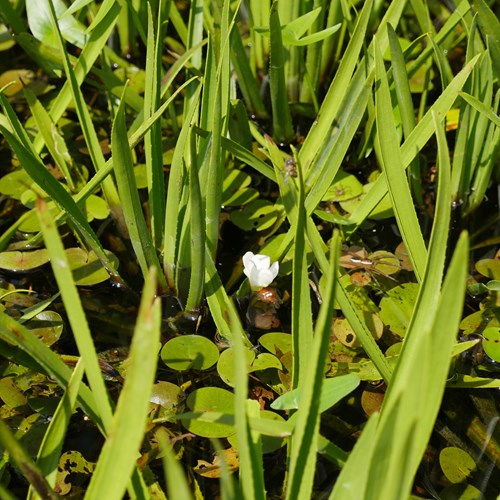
column 259, row 270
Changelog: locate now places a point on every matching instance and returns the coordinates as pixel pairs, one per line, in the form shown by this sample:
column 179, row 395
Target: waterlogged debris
column 73, row 472
column 213, row 470
column 189, row 352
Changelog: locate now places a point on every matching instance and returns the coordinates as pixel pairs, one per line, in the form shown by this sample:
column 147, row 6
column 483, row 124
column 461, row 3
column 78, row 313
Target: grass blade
column 24, row 463
column 132, row 209
column 282, row 119
column 119, row 453
column 50, row 449
column 415, row 141
column 74, row 310
column 304, row 439
column 397, row 183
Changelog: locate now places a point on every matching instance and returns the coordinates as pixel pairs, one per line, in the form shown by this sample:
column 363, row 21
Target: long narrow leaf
column 397, row 183
column 119, row 453
column 134, row 218
column 74, row 309
column 304, row 439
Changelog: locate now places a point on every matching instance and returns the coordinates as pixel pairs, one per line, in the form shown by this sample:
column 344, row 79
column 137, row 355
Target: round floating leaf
column 461, row 492
column 235, row 189
column 491, row 342
column 456, row 464
column 269, row 443
column 346, row 187
column 189, row 352
column 258, row 215
column 493, row 285
column 31, row 223
column 385, row 262
column 265, row 361
column 97, row 207
column 21, row 78
column 10, row 393
column 382, row 211
column 47, row 326
column 210, row 399
column 396, row 307
column 276, row 342
column 402, row 254
column 15, row 183
column 489, row 268
column 225, row 365
column 23, row 261
column 480, row 319
column 86, row 267
column 167, row 396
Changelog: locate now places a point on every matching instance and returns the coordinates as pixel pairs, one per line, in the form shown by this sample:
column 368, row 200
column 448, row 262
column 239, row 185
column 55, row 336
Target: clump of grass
column 300, row 127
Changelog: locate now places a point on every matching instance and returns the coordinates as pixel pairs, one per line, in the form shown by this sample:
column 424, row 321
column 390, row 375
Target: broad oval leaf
column 210, row 399
column 189, row 352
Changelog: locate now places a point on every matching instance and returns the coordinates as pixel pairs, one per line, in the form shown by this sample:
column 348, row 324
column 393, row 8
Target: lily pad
column 479, row 320
column 491, row 342
column 15, row 183
column 23, row 261
column 269, row 443
column 47, row 326
column 396, row 307
column 258, row 215
column 213, row 470
column 346, row 187
column 10, row 393
column 225, row 364
column 382, row 211
column 276, row 342
column 489, row 268
column 235, row 190
column 456, row 464
column 461, row 491
column 265, row 361
column 210, row 399
column 167, row 397
column 189, row 352
column 86, row 267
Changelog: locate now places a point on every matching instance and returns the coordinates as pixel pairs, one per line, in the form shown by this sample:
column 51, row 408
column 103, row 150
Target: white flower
column 259, row 270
